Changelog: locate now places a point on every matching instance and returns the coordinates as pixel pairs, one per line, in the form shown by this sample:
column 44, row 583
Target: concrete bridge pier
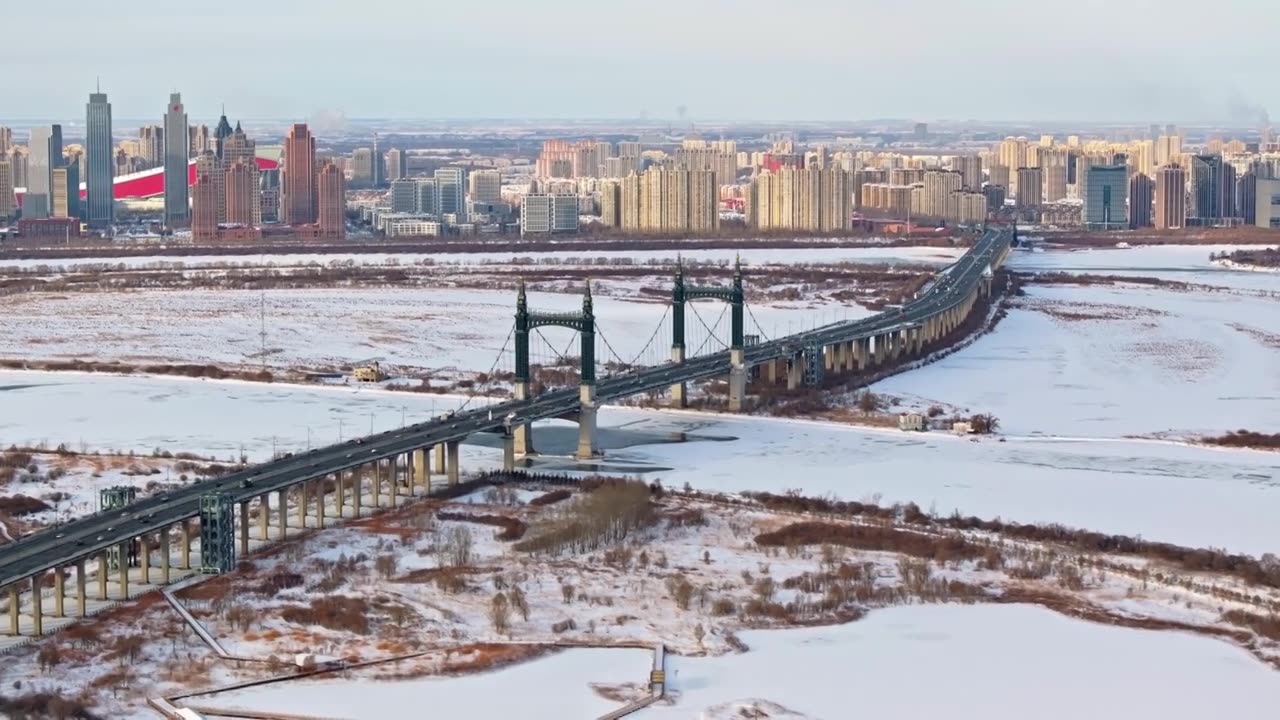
column 244, row 528
column 508, row 452
column 186, row 543
column 340, row 493
column 421, row 470
column 439, row 459
column 264, row 519
column 524, row 431
column 357, row 489
column 14, row 599
column 680, row 390
column 737, row 380
column 124, row 569
column 301, row 504
column 37, row 606
column 102, row 575
column 82, row 589
column 795, row 372
column 282, row 509
column 375, row 487
column 165, row 573
column 319, row 493
column 451, row 449
column 59, row 591
column 587, row 447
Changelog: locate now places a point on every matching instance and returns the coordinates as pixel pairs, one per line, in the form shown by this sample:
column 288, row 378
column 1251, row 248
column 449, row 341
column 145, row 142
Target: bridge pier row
column 14, row 599
column 82, row 590
column 680, row 390
column 587, row 408
column 737, row 380
column 523, row 431
column 451, row 449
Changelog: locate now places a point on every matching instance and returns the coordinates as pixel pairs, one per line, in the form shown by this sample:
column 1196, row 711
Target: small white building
column 913, row 422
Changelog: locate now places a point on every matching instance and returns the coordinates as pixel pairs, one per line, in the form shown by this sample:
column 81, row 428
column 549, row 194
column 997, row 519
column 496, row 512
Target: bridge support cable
column 711, row 333
column 492, row 368
column 764, row 337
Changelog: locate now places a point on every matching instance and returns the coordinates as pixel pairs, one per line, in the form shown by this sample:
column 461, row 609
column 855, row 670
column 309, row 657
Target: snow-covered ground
column 1111, row 361
column 551, row 688
column 431, row 329
column 985, row 662
column 915, row 255
column 1188, row 495
column 1183, row 263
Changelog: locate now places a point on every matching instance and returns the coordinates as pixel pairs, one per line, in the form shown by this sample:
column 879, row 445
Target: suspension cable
column 501, row 353
column 711, row 334
column 759, row 327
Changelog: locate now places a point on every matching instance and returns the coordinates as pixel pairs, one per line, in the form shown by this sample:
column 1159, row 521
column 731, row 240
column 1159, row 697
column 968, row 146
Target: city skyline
column 697, row 50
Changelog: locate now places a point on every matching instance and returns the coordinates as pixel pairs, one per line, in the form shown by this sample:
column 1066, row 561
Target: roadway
column 87, row 536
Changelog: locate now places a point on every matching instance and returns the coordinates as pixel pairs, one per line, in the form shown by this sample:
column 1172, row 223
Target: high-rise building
column 243, row 199
column 674, row 200
column 428, row 196
column 970, row 169
column 1012, row 153
column 1212, row 190
column 176, row 155
column 99, row 148
column 1266, row 211
column 1104, row 197
column 1246, row 200
column 1171, row 197
column 18, row 157
column 151, row 145
column 362, row 166
column 1030, row 187
column 610, row 203
column 396, row 169
column 204, row 200
column 404, row 196
column 486, row 186
column 999, row 175
column 8, row 202
column 718, row 158
column 200, row 140
column 451, row 192
column 1168, row 149
column 379, row 173
column 298, row 179
column 332, row 198
column 542, row 213
column 36, row 203
column 1053, row 161
column 220, row 135
column 806, row 199
column 6, row 139
column 64, row 191
column 1141, row 198
column 208, row 164
column 938, row 186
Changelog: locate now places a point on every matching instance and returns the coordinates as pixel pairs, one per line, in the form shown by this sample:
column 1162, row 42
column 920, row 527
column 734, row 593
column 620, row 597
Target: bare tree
column 765, row 589
column 566, row 590
column 500, row 614
column 520, row 602
column 386, row 565
column 699, row 633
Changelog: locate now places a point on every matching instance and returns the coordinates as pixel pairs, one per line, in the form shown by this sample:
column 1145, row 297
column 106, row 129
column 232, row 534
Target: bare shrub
column 606, row 515
column 456, row 551
column 681, row 590
column 500, row 614
column 520, row 602
column 335, row 612
column 386, row 564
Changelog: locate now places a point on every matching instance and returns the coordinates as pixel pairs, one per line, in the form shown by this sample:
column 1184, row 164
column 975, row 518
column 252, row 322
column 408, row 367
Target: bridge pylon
column 681, row 294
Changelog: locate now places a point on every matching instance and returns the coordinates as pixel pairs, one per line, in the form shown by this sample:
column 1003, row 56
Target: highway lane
column 85, row 537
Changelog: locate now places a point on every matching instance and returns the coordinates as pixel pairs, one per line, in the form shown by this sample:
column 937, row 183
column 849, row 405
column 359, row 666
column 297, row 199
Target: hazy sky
column 1070, row 60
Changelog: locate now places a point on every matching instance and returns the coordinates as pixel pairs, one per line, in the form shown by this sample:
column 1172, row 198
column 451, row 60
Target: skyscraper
column 243, row 201
column 1104, row 196
column 298, row 179
column 395, row 165
column 1141, row 197
column 1030, row 187
column 204, row 200
column 220, row 135
column 176, row 155
column 8, row 203
column 451, row 192
column 200, row 141
column 486, row 186
column 64, row 191
column 970, row 169
column 36, row 203
column 362, row 166
column 1171, row 197
column 1212, row 190
column 151, row 145
column 6, row 139
column 100, row 205
column 379, row 173
column 332, row 201
column 208, row 164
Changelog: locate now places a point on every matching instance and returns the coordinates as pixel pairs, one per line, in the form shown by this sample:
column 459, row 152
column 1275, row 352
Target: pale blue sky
column 1073, row 60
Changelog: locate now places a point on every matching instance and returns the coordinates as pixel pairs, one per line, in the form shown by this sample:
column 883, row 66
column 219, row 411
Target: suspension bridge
column 133, row 541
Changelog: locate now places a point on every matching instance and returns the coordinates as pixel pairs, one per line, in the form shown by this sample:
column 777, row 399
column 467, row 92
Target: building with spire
column 221, row 133
column 99, row 175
